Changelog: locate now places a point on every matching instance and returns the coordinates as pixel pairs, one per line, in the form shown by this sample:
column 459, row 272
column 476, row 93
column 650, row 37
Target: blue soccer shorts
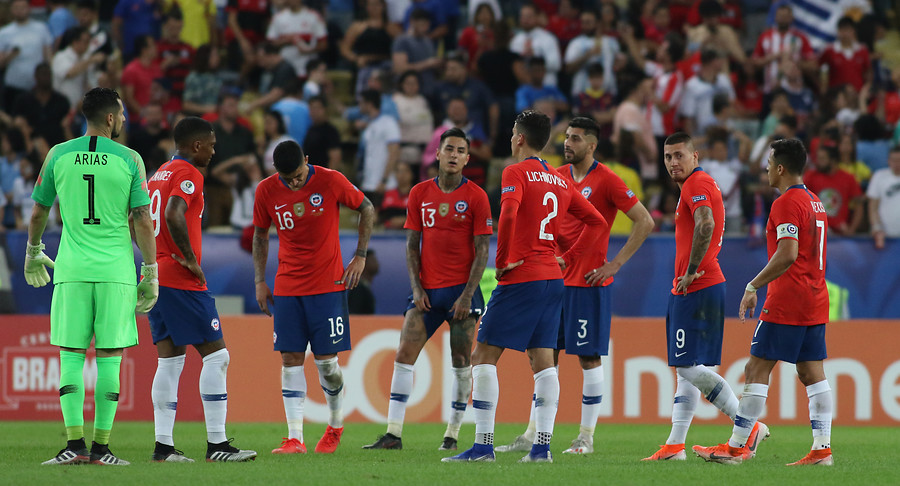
column 186, row 316
column 694, row 327
column 523, row 316
column 793, row 344
column 320, row 321
column 586, row 318
column 442, row 301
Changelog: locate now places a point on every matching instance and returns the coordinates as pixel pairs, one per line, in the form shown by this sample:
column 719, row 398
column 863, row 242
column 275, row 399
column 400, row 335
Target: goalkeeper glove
column 147, row 288
column 36, row 263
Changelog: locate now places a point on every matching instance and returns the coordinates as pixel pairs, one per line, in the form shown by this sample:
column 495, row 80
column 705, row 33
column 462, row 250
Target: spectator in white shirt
column 24, row 43
column 534, row 41
column 726, row 171
column 71, row 65
column 884, row 200
column 380, row 148
column 696, row 103
column 300, row 32
column 591, row 48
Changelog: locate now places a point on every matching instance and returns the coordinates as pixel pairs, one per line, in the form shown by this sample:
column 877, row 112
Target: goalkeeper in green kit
column 101, row 185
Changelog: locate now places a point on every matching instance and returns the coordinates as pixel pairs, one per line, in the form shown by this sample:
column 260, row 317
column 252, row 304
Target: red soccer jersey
column 698, row 190
column 544, row 198
column 176, row 178
column 448, row 223
column 799, row 296
column 608, row 193
column 846, row 66
column 309, row 253
column 835, row 190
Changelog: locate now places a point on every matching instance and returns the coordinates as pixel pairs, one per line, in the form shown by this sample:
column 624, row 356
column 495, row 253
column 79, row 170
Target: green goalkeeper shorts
column 102, row 310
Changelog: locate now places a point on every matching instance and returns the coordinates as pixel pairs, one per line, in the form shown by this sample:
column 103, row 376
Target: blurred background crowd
column 367, row 86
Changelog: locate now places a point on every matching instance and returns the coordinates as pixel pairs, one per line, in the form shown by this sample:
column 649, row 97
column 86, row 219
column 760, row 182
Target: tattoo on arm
column 143, row 233
column 413, row 257
column 260, row 253
column 177, row 224
column 482, row 244
column 704, row 226
column 366, row 223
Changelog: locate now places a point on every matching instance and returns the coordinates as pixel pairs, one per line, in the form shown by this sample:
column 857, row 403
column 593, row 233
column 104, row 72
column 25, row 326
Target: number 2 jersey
column 307, row 221
column 698, row 190
column 799, row 296
column 448, row 223
column 608, row 193
column 529, row 229
column 177, row 178
column 98, row 182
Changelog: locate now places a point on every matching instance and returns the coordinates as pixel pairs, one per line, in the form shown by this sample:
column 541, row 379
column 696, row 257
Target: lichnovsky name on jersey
column 537, row 176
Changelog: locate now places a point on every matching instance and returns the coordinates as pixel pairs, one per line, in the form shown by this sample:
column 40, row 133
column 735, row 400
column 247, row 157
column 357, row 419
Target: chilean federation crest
column 586, row 192
column 461, row 206
column 315, row 200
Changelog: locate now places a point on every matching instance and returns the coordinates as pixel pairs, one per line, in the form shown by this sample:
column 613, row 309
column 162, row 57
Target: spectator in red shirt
column 392, row 213
column 175, row 56
column 478, row 37
column 565, row 24
column 838, row 191
column 656, row 22
column 782, row 43
column 847, row 59
column 138, row 76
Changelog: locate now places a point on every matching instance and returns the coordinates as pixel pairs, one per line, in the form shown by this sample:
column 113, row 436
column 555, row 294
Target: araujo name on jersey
column 90, row 159
column 536, row 176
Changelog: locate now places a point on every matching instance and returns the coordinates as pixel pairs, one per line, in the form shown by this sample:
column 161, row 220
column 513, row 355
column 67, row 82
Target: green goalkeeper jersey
column 98, row 182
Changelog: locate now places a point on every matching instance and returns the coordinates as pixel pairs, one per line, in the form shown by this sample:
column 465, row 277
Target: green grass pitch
column 862, row 456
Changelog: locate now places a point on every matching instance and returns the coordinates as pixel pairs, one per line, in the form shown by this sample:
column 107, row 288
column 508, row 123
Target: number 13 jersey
column 307, row 221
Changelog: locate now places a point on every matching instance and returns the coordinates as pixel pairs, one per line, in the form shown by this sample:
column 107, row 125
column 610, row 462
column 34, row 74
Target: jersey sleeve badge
column 786, row 230
column 187, row 187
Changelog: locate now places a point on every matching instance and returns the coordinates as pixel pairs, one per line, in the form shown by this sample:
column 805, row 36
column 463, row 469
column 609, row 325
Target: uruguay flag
column 818, row 18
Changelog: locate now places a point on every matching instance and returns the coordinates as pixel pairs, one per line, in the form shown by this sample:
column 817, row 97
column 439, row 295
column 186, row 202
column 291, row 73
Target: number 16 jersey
column 307, row 221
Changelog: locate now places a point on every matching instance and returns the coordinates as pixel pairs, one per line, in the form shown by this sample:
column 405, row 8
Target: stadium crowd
column 368, row 86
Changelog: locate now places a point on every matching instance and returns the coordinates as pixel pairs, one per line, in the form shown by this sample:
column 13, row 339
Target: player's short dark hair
column 420, row 14
column 789, row 121
column 595, row 69
column 535, row 126
column 191, row 129
column 99, row 102
column 791, row 154
column 846, row 21
column 589, row 126
column 680, row 137
column 455, row 132
column 141, row 42
column 288, row 156
column 371, row 96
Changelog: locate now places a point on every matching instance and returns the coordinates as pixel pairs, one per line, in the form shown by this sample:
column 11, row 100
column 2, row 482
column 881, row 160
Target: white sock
column 821, row 410
column 591, row 397
column 752, row 403
column 332, row 381
column 214, row 394
column 460, row 391
column 546, row 402
column 713, row 387
column 293, row 394
column 686, row 398
column 401, row 387
column 530, row 430
column 485, row 392
column 164, row 393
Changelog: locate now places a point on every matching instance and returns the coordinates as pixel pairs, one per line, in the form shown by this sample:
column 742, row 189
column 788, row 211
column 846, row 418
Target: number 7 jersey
column 307, row 221
column 799, row 296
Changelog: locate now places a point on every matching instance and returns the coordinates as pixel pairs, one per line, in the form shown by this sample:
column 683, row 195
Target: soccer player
column 101, row 185
column 792, row 323
column 449, row 223
column 587, row 313
column 523, row 312
column 186, row 312
column 310, row 301
column 696, row 316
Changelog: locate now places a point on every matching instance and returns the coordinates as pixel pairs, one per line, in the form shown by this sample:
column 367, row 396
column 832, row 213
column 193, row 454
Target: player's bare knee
column 810, row 372
column 206, row 349
column 290, row 359
column 460, row 360
column 541, row 359
column 587, row 362
column 408, row 352
column 758, row 370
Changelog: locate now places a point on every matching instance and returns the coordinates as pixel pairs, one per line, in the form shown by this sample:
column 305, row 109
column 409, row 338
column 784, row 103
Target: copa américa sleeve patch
column 786, row 230
column 508, row 189
column 187, row 187
column 699, row 198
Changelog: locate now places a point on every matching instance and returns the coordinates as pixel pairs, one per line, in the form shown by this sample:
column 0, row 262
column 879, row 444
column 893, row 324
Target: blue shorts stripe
column 681, row 399
column 461, row 406
column 171, row 405
column 482, row 405
column 595, row 400
column 539, row 402
column 742, row 422
column 399, row 397
column 292, row 393
column 216, row 397
column 715, row 392
column 817, row 424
